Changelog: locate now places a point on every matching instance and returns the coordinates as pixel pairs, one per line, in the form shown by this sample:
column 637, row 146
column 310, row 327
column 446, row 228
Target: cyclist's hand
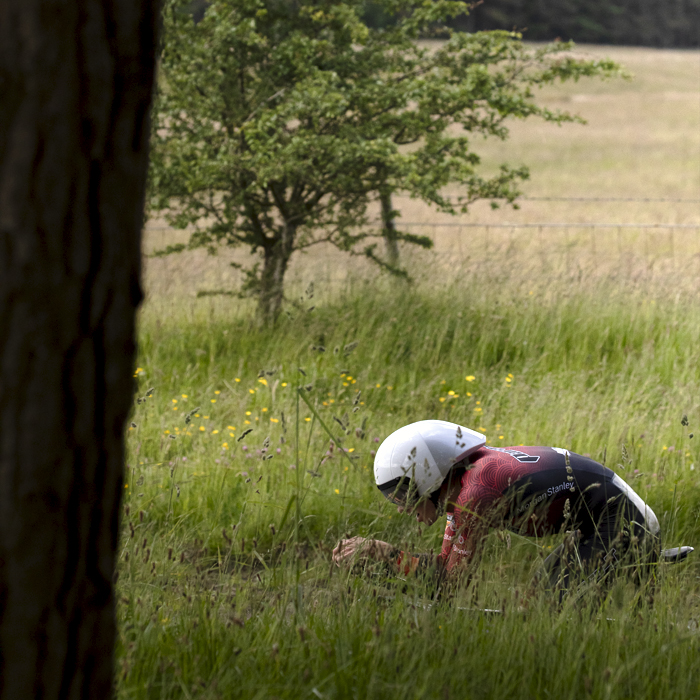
column 348, row 550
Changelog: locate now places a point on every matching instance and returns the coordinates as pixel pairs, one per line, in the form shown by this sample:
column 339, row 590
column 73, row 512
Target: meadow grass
column 226, row 585
column 226, row 588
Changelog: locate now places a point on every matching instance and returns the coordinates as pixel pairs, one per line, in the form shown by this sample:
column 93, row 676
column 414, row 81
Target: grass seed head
column 188, row 416
column 244, row 433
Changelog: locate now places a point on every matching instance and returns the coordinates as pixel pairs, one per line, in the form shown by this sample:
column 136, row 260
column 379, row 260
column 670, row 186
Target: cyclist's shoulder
column 489, row 456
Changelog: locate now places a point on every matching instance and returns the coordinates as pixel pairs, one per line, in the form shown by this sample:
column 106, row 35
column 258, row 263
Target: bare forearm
column 350, row 550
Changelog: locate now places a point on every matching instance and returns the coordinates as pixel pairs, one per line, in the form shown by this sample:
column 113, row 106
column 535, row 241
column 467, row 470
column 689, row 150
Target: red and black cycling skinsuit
column 541, row 490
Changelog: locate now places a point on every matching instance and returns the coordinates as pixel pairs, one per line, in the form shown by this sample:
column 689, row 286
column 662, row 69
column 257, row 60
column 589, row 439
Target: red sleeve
column 470, row 521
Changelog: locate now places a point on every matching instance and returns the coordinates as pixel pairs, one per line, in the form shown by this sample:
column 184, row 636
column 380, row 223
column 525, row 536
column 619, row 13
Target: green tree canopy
column 278, row 123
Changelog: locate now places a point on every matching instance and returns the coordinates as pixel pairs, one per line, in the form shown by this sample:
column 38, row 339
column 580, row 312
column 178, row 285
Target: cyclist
column 430, row 465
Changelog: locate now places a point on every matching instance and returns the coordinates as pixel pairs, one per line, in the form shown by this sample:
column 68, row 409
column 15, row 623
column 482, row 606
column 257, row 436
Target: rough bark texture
column 76, row 79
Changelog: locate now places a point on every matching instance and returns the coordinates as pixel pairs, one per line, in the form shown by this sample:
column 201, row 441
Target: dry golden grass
column 642, row 140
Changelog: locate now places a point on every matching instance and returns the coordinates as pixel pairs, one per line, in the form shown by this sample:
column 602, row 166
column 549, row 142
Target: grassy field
column 547, row 337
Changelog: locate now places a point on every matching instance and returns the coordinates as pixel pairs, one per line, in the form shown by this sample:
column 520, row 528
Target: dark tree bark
column 76, row 80
column 391, row 242
column 275, row 262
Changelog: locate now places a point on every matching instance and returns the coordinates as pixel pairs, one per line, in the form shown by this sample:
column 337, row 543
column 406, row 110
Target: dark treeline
column 661, row 23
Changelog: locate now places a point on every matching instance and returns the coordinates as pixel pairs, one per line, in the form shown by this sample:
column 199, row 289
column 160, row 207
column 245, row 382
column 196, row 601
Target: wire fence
column 671, row 200
column 570, row 241
column 651, row 240
column 610, row 199
column 631, row 255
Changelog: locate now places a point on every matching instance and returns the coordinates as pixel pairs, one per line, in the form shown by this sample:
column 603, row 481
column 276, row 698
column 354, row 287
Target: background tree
column 673, row 23
column 280, row 122
column 76, row 83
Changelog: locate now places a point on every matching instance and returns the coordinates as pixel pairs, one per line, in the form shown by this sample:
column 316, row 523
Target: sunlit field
column 250, row 450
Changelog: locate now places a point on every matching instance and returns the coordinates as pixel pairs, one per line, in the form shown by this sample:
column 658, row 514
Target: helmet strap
column 435, row 496
column 455, row 475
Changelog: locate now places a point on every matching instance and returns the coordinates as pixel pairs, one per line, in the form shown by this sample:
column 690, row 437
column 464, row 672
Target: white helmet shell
column 424, row 452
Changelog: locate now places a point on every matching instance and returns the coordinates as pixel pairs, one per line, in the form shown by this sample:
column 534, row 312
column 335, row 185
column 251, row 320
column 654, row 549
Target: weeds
column 235, row 492
column 226, row 585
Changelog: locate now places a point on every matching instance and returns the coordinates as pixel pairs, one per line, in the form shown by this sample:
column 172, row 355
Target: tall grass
column 226, row 585
column 226, row 588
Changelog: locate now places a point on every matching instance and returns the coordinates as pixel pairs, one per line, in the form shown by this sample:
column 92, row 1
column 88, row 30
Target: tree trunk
column 389, row 229
column 76, row 80
column 275, row 262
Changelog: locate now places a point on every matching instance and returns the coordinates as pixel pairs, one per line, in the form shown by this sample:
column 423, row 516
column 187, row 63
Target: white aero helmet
column 418, row 457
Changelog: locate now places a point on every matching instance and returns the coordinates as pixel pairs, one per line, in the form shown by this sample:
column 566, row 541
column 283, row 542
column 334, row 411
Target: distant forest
column 660, row 23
